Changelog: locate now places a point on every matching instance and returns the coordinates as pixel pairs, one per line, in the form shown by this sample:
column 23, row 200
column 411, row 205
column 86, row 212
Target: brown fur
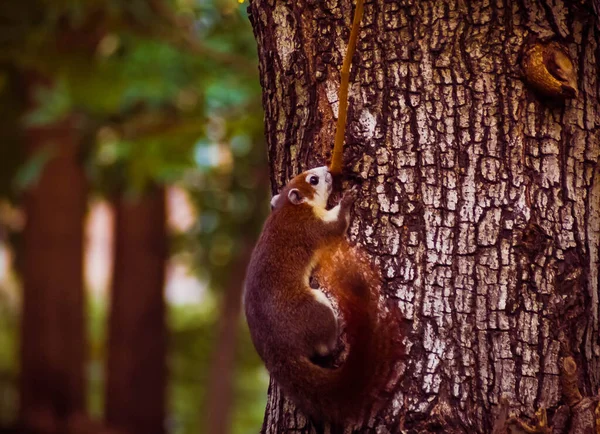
column 288, row 324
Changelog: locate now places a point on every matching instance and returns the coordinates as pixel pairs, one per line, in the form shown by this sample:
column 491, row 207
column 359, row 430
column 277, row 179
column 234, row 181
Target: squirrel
column 294, row 327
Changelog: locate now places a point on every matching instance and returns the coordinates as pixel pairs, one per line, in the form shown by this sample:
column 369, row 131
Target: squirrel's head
column 311, row 187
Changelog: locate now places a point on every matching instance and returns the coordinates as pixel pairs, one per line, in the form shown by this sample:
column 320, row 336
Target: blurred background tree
column 146, row 112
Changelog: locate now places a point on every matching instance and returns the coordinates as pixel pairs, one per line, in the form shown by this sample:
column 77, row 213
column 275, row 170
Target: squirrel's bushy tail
column 373, row 340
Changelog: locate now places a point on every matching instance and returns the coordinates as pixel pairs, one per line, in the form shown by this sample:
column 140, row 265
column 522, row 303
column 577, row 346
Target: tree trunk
column 52, row 382
column 136, row 368
column 479, row 201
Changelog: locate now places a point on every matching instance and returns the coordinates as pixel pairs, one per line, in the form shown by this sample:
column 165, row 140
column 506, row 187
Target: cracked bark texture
column 479, row 202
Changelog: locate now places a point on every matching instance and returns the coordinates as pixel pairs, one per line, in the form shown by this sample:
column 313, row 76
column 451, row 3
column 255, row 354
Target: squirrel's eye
column 314, row 180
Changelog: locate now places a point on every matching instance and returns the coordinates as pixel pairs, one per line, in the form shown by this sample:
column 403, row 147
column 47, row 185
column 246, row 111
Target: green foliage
column 30, row 172
column 120, row 63
column 53, row 103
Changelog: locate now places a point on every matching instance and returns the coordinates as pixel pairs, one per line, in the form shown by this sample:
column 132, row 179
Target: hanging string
column 338, row 148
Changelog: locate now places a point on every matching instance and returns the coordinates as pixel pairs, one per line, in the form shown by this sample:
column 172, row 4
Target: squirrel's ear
column 274, row 201
column 295, row 197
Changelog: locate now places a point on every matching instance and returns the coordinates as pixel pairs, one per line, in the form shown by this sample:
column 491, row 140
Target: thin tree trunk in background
column 53, row 343
column 136, row 368
column 219, row 392
column 479, row 202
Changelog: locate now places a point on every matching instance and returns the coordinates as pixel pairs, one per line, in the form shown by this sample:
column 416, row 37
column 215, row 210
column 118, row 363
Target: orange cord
column 336, row 157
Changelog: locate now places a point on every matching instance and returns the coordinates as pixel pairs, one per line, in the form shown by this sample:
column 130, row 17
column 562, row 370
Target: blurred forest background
column 133, row 183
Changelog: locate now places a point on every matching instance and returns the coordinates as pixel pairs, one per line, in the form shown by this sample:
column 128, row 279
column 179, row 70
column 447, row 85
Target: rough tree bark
column 479, row 202
column 136, row 367
column 53, row 344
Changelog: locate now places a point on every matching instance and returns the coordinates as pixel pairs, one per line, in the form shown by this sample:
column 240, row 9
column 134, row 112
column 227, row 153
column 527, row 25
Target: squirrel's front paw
column 349, row 197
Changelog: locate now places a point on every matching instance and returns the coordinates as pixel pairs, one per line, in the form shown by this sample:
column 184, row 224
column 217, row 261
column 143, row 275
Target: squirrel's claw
column 349, row 196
